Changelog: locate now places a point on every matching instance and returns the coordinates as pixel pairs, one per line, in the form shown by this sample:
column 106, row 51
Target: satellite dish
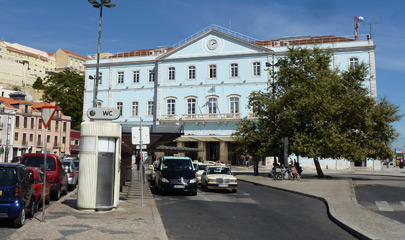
column 361, row 18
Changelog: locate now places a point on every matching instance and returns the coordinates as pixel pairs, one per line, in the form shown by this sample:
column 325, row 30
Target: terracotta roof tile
column 75, row 54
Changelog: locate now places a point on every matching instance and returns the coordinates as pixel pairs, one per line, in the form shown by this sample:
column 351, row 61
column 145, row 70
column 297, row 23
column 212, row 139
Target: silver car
column 72, row 173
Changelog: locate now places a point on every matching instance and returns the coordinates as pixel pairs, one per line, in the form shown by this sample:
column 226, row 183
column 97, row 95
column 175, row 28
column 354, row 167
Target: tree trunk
column 318, row 168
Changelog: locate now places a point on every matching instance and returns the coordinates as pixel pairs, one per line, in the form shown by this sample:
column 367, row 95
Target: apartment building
column 70, row 60
column 22, row 130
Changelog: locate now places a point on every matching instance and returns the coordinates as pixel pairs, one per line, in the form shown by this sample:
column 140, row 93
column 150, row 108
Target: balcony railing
column 170, row 117
column 211, row 116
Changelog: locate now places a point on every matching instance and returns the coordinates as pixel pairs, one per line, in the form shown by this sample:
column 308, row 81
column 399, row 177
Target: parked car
column 55, row 172
column 70, row 169
column 38, row 177
column 17, row 198
column 152, row 172
column 219, row 177
column 16, row 159
column 175, row 174
column 200, row 169
column 76, row 162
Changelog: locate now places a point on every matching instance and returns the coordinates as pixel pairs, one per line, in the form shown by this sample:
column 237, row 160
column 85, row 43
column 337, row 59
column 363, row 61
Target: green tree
column 38, row 84
column 324, row 113
column 66, row 89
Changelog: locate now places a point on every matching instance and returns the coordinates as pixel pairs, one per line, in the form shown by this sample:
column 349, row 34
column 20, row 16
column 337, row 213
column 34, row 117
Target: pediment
column 214, row 43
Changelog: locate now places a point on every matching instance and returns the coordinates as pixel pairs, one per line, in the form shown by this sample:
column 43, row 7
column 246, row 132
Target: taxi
column 219, row 177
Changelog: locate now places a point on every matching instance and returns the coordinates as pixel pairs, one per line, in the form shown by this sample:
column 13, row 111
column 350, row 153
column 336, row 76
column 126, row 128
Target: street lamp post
column 284, row 143
column 96, row 4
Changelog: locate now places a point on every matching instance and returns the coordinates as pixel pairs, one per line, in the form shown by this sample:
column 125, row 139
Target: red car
column 55, row 172
column 38, row 177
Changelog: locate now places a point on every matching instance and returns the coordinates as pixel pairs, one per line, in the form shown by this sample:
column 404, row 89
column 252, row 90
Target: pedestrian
column 242, row 158
column 247, row 161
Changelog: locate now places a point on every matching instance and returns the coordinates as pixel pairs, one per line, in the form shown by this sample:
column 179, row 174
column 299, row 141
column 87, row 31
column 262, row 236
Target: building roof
column 25, row 52
column 75, row 54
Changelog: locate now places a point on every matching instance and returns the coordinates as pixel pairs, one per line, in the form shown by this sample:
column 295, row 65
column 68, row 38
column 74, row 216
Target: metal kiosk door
column 105, row 173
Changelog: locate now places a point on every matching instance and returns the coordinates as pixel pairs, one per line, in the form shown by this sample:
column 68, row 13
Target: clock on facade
column 212, row 44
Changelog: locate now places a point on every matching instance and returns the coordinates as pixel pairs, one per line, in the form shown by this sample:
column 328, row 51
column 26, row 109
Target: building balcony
column 170, row 118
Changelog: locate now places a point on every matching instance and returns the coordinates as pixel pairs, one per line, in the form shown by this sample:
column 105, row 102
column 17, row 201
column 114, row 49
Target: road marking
column 384, row 206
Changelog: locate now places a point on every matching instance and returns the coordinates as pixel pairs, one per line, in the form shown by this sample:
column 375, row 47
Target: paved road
column 255, row 212
column 381, row 194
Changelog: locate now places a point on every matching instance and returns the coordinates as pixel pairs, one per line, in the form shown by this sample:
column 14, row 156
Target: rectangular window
column 171, row 106
column 119, row 107
column 48, row 138
column 135, row 109
column 151, row 75
column 17, row 121
column 63, row 140
column 191, row 72
column 25, row 122
column 151, row 107
column 234, row 101
column 213, row 71
column 32, row 123
column 234, row 70
column 31, row 137
column 39, row 140
column 172, row 73
column 354, row 62
column 120, row 77
column 100, row 78
column 256, row 69
column 212, row 105
column 56, row 125
column 24, row 140
column 191, row 105
column 40, row 123
column 64, row 126
column 15, row 136
column 55, row 141
column 135, row 77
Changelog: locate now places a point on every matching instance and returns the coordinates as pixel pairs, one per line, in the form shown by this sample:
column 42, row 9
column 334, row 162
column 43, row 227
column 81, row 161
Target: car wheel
column 194, row 192
column 20, row 220
column 71, row 187
column 31, row 211
column 234, row 190
column 56, row 195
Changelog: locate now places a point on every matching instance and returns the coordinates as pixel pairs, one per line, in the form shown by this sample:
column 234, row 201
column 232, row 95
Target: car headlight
column 212, row 180
column 194, row 180
column 233, row 180
column 165, row 180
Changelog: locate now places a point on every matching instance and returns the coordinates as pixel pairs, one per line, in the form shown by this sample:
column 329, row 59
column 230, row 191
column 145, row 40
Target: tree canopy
column 66, row 89
column 325, row 113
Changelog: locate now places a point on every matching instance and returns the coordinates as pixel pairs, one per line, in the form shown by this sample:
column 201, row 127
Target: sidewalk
column 338, row 194
column 130, row 220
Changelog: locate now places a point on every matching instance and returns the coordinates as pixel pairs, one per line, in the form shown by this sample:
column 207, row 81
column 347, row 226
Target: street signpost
column 47, row 114
column 140, row 136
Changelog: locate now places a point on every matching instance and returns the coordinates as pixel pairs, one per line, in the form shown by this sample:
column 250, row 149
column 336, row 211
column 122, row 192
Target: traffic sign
column 47, row 114
column 103, row 113
column 136, row 135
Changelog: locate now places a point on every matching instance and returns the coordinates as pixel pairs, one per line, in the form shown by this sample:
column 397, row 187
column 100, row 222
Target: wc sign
column 103, row 113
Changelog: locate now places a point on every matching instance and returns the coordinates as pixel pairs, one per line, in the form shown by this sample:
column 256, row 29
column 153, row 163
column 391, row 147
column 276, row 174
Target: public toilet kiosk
column 99, row 165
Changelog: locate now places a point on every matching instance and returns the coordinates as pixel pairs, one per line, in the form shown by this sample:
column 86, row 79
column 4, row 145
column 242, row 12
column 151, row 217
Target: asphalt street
column 381, row 194
column 254, row 212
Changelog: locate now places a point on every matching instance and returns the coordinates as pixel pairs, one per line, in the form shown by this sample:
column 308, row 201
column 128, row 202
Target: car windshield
column 219, row 170
column 33, row 161
column 7, row 176
column 202, row 167
column 76, row 163
column 177, row 164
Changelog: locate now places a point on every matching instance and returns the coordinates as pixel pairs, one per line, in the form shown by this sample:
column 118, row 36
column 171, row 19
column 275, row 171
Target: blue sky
column 140, row 24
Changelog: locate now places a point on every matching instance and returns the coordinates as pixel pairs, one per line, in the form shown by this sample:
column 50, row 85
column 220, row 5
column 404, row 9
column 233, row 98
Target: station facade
column 202, row 84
